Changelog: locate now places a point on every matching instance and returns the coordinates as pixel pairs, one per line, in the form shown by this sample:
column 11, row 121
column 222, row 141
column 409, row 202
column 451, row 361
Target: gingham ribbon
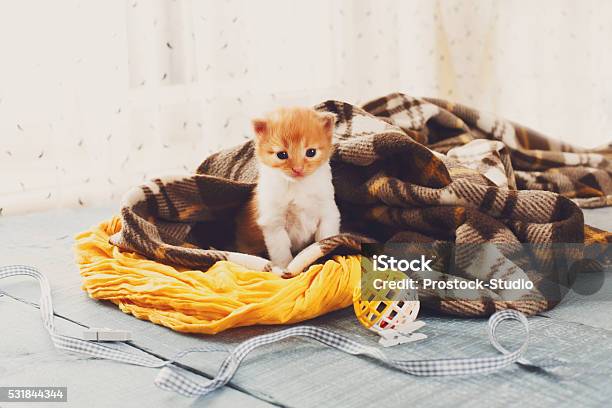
column 175, row 379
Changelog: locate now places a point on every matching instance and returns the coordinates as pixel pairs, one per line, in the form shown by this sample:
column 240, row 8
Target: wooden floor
column 295, row 372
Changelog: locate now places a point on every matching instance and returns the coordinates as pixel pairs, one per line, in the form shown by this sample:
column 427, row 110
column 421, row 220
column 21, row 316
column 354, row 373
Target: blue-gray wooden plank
column 303, row 373
column 28, row 358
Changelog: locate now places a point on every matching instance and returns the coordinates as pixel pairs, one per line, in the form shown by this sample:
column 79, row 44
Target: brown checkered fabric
column 404, row 169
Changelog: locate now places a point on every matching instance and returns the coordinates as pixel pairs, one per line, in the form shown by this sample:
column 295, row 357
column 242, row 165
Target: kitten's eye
column 282, row 155
column 311, row 152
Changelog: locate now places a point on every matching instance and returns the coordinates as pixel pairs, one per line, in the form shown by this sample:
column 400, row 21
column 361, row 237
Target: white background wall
column 96, row 96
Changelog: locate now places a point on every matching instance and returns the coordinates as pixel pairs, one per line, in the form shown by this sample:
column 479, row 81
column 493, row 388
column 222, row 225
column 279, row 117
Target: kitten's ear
column 328, row 119
column 260, row 126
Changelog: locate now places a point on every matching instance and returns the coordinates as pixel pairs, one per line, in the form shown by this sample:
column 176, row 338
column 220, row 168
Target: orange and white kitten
column 293, row 203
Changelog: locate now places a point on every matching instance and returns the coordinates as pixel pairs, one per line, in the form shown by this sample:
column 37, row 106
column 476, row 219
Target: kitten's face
column 294, row 141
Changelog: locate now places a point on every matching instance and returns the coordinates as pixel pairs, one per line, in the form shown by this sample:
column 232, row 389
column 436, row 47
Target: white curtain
column 96, row 96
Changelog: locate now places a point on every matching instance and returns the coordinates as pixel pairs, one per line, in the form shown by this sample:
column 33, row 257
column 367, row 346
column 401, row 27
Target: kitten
column 293, row 203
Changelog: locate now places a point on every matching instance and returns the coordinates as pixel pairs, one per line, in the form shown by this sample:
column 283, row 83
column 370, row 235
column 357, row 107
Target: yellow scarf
column 225, row 296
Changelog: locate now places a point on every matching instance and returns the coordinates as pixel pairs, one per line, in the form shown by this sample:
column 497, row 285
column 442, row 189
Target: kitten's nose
column 298, row 171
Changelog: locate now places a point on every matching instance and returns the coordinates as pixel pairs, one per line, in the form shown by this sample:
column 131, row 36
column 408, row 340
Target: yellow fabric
column 225, row 296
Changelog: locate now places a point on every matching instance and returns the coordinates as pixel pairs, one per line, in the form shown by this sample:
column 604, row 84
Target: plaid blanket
column 404, row 170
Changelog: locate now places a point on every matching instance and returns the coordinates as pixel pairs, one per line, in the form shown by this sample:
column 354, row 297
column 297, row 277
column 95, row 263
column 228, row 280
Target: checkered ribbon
column 173, row 378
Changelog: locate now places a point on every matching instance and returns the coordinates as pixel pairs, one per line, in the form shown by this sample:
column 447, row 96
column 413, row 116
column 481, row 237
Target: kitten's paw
column 278, row 271
column 282, row 272
column 281, row 262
